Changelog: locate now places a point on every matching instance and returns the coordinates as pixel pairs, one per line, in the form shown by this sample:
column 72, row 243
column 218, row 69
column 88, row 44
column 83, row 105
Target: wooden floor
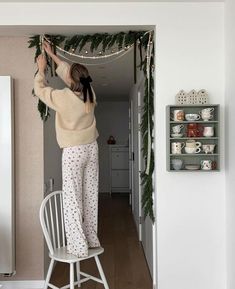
column 123, row 259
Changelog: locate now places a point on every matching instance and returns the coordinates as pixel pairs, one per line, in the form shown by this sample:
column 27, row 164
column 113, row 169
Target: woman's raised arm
column 47, row 47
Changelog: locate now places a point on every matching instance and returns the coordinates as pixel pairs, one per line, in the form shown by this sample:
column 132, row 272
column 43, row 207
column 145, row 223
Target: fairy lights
column 100, row 56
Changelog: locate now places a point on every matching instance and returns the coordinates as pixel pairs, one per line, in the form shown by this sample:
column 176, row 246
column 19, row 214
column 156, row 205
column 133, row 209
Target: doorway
column 117, row 114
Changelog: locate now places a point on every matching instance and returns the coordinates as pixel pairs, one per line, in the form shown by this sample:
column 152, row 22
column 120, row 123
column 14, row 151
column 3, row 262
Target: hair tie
column 85, row 81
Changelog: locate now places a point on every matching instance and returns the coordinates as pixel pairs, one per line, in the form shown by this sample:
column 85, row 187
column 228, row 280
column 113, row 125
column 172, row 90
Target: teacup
column 176, row 147
column 208, row 148
column 192, row 116
column 177, row 164
column 177, row 128
column 208, row 131
column 192, row 150
column 206, row 165
column 206, row 110
column 206, row 116
column 206, row 113
column 191, row 143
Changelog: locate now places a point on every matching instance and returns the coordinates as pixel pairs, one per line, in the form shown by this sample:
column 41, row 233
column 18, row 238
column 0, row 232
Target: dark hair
column 81, row 80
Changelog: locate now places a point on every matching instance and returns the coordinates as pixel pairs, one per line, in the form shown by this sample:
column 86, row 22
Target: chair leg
column 49, row 274
column 71, row 275
column 106, row 286
column 78, row 273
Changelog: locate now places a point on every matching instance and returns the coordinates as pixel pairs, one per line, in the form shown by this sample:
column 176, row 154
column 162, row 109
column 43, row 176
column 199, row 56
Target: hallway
column 123, row 259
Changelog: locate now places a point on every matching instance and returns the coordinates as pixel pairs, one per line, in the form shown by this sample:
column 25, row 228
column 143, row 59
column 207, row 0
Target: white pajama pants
column 80, row 170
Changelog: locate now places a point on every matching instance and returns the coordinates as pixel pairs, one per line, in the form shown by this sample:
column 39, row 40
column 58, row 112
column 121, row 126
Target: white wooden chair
column 52, row 222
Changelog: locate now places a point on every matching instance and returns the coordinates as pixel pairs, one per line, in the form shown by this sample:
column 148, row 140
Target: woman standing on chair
column 76, row 134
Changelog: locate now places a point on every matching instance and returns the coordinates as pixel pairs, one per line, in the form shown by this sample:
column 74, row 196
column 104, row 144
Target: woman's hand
column 47, row 47
column 42, row 63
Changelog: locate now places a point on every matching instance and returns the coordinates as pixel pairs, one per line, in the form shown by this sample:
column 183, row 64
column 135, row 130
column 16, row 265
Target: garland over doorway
column 119, row 43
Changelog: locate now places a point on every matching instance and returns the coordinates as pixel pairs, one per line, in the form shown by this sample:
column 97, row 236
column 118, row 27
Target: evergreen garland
column 107, row 41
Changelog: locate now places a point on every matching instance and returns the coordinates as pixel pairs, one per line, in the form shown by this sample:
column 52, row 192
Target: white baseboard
column 25, row 284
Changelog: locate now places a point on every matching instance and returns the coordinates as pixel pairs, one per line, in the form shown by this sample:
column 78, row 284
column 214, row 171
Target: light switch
column 51, row 184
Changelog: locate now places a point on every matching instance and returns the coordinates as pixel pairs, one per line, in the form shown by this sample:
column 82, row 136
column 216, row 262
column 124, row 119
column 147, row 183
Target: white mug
column 208, row 131
column 177, row 128
column 206, row 113
column 192, row 116
column 206, row 116
column 208, row 110
column 206, row 165
column 176, row 147
column 191, row 143
column 192, row 150
column 178, row 115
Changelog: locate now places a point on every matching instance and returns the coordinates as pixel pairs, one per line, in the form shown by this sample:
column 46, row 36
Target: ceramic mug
column 176, row 147
column 206, row 116
column 177, row 164
column 192, row 150
column 177, row 128
column 191, row 143
column 208, row 148
column 208, row 131
column 192, row 116
column 206, row 110
column 178, row 115
column 206, row 165
column 206, row 113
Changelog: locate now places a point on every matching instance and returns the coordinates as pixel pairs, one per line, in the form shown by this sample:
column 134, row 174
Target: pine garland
column 107, row 41
column 147, row 200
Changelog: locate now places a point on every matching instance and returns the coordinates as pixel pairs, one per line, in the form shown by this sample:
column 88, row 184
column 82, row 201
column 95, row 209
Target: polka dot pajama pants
column 80, row 170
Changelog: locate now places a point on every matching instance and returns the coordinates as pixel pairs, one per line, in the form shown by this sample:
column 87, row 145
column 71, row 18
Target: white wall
column 189, row 54
column 16, row 60
column 190, row 206
column 112, row 119
column 230, row 139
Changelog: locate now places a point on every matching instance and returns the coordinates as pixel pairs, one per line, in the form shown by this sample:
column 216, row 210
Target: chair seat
column 60, row 254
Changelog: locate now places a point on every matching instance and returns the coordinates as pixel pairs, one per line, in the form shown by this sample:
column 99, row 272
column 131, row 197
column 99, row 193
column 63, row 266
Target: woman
column 76, row 134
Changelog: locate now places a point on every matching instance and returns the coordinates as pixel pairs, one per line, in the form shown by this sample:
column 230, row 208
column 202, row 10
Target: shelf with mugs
column 196, row 121
column 197, row 138
column 199, row 162
column 193, row 155
column 193, row 138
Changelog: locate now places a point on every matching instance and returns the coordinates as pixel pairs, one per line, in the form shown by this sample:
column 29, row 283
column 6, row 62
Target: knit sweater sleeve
column 63, row 72
column 51, row 97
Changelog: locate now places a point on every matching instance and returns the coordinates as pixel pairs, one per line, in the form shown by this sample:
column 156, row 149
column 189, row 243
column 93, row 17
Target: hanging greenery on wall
column 122, row 41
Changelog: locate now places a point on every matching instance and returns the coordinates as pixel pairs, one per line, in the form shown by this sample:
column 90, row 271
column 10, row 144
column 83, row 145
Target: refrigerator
column 7, row 187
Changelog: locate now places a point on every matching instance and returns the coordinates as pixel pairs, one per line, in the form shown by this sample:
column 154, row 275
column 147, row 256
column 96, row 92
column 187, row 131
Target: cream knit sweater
column 74, row 126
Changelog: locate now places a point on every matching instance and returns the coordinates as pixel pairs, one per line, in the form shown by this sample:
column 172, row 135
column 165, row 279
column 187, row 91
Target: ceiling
column 34, row 1
column 112, row 77
column 26, row 30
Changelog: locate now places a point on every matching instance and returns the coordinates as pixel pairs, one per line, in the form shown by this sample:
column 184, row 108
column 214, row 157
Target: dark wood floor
column 123, row 259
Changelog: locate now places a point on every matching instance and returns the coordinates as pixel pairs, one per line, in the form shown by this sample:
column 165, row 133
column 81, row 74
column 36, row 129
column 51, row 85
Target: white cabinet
column 119, row 168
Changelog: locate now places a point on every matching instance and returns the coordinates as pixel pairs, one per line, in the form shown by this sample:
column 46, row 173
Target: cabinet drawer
column 120, row 179
column 120, row 160
column 120, row 149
